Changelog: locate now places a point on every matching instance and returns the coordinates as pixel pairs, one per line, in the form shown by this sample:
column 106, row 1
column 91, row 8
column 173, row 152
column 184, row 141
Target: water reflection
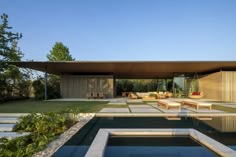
column 222, row 124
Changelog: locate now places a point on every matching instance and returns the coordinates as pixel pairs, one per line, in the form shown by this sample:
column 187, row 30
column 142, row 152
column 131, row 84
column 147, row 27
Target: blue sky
column 149, row 30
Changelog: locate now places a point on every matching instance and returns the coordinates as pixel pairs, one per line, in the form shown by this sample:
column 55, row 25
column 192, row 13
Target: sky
column 126, row 30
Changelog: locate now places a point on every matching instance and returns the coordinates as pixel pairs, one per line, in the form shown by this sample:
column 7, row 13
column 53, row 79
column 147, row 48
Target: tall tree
column 59, row 52
column 9, row 51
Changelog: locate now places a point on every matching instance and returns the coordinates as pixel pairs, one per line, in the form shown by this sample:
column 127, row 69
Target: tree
column 10, row 75
column 59, row 52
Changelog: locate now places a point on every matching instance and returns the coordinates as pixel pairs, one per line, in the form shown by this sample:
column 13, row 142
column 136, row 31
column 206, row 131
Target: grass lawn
column 226, row 109
column 31, row 106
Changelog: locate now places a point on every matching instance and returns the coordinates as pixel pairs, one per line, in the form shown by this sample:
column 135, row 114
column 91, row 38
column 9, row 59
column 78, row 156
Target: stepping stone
column 117, row 103
column 171, row 110
column 140, row 106
column 11, row 135
column 135, row 101
column 114, row 110
column 12, row 115
column 6, row 127
column 144, row 110
column 5, row 120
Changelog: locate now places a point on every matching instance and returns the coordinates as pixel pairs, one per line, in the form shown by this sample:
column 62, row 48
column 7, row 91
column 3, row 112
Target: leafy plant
column 43, row 127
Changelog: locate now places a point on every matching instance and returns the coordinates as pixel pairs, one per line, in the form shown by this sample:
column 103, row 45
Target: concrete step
column 8, row 120
column 11, row 135
column 6, row 127
column 13, row 115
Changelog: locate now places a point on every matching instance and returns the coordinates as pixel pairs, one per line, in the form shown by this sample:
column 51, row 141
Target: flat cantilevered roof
column 129, row 69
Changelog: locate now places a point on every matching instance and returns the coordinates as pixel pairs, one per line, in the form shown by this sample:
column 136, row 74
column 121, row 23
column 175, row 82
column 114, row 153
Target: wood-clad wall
column 211, row 86
column 76, row 86
column 229, row 86
column 219, row 86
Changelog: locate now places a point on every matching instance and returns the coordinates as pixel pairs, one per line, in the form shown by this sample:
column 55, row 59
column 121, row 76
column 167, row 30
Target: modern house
column 217, row 79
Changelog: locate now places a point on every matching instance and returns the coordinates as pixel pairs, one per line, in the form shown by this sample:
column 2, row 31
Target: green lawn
column 226, row 109
column 31, row 106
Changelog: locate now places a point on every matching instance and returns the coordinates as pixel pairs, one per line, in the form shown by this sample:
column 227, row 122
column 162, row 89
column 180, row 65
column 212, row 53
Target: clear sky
column 149, row 30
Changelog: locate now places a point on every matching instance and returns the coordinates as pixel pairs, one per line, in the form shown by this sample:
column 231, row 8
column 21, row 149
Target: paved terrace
column 140, row 108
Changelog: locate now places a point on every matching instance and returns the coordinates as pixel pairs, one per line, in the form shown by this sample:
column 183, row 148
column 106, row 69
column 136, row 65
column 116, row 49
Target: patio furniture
column 100, row 95
column 133, row 96
column 197, row 104
column 147, row 98
column 126, row 94
column 89, row 95
column 196, row 95
column 169, row 94
column 168, row 104
column 161, row 95
column 94, row 95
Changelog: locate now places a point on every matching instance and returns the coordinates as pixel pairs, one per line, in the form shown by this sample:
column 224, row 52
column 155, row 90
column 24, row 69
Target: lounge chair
column 94, row 95
column 197, row 104
column 168, row 104
column 161, row 95
column 89, row 95
column 133, row 96
column 100, row 95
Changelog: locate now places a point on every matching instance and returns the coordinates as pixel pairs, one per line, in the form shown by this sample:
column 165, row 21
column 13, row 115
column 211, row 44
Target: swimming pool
column 80, row 142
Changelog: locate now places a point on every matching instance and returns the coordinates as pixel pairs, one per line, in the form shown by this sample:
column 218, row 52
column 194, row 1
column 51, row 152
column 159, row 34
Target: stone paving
column 11, row 135
column 139, row 106
column 115, row 110
column 118, row 102
column 134, row 101
column 171, row 110
column 7, row 123
column 6, row 127
column 153, row 108
column 142, row 109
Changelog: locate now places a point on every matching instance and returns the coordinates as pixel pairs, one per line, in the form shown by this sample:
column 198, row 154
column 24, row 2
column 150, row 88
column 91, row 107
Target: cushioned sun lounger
column 197, row 104
column 168, row 104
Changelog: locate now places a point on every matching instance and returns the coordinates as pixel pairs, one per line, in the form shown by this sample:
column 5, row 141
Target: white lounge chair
column 196, row 104
column 168, row 104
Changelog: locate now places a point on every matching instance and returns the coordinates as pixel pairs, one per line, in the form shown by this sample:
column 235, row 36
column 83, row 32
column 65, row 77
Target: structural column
column 46, row 86
column 114, row 86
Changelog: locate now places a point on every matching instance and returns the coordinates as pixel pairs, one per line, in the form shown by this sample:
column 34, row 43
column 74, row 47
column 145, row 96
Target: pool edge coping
column 98, row 146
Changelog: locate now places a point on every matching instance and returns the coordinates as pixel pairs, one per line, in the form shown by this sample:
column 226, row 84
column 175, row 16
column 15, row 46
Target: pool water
column 78, row 145
column 155, row 146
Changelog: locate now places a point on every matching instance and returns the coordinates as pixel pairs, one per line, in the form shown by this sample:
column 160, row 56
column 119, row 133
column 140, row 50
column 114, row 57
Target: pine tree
column 59, row 52
column 9, row 51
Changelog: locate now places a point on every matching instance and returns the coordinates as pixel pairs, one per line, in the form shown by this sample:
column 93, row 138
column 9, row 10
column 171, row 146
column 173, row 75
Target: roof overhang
column 129, row 69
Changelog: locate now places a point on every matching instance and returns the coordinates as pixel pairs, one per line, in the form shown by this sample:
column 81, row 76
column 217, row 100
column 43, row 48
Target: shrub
column 38, row 86
column 43, row 127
